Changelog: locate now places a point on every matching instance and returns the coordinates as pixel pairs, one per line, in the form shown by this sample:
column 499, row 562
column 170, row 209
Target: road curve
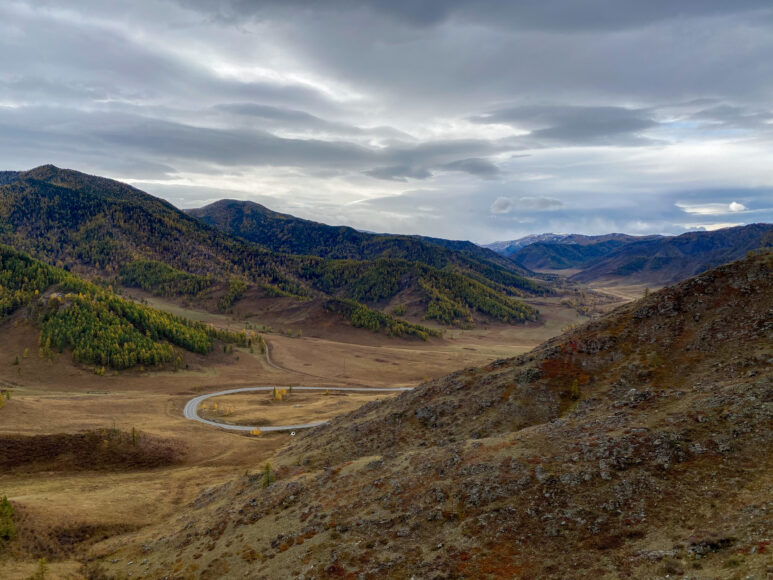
column 191, row 410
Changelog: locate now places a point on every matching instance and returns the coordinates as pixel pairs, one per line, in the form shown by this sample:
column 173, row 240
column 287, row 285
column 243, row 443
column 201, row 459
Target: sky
column 482, row 120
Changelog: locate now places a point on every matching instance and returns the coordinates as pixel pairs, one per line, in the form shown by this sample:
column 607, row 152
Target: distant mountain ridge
column 511, row 246
column 573, row 251
column 655, row 260
column 670, row 259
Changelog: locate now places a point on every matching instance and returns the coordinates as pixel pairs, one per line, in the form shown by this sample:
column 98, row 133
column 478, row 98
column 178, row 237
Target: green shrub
column 7, row 526
column 268, row 475
column 236, row 289
column 40, row 571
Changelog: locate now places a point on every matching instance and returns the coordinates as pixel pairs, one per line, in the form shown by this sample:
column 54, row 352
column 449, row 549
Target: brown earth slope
column 636, row 446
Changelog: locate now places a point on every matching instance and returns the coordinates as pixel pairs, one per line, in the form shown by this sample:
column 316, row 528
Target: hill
column 92, row 224
column 100, row 328
column 97, row 226
column 633, row 446
column 292, row 235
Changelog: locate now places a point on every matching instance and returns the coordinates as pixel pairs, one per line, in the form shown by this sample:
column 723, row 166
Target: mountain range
column 513, row 247
column 229, row 249
column 97, row 226
column 629, row 446
column 289, row 234
column 653, row 260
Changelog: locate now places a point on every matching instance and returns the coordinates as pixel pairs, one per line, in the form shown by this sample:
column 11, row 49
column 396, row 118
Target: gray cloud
column 282, row 117
column 540, row 203
column 474, row 166
column 506, row 205
column 548, row 14
column 176, row 143
column 399, row 173
column 515, row 117
column 570, row 124
column 502, row 205
column 271, row 113
column 735, row 117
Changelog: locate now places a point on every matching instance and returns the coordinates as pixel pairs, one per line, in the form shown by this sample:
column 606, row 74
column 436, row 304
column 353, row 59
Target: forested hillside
column 99, row 327
column 94, row 225
column 451, row 296
column 8, row 177
column 292, row 235
column 70, row 219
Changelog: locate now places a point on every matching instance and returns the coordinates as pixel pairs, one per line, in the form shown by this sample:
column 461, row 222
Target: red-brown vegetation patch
column 40, row 538
column 98, row 449
column 499, row 560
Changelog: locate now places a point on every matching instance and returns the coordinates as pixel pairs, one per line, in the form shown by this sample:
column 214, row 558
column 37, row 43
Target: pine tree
column 268, row 476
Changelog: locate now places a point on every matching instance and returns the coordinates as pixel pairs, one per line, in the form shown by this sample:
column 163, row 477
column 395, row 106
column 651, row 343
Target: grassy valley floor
column 65, row 512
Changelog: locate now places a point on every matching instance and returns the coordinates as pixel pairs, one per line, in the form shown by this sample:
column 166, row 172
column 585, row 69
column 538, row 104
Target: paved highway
column 191, row 410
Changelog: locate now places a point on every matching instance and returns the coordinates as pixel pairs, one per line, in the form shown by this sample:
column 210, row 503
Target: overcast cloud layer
column 479, row 120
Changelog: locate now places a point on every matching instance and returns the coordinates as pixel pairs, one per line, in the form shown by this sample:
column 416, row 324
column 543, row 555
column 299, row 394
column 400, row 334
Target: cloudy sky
column 482, row 120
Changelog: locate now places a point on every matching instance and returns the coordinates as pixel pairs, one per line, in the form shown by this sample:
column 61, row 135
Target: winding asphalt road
column 191, row 410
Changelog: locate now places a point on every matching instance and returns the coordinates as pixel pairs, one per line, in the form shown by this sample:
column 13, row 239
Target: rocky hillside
column 635, row 446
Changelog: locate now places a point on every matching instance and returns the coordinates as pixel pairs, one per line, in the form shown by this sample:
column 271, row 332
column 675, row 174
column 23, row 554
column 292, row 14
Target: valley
column 602, row 449
column 381, row 290
column 97, row 508
column 463, row 378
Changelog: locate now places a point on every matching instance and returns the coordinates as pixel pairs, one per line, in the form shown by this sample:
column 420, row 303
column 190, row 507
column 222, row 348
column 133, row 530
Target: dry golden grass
column 658, row 474
column 55, row 396
column 296, row 407
column 626, row 292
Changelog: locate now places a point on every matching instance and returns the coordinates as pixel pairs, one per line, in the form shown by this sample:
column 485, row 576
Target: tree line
column 363, row 317
column 99, row 327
